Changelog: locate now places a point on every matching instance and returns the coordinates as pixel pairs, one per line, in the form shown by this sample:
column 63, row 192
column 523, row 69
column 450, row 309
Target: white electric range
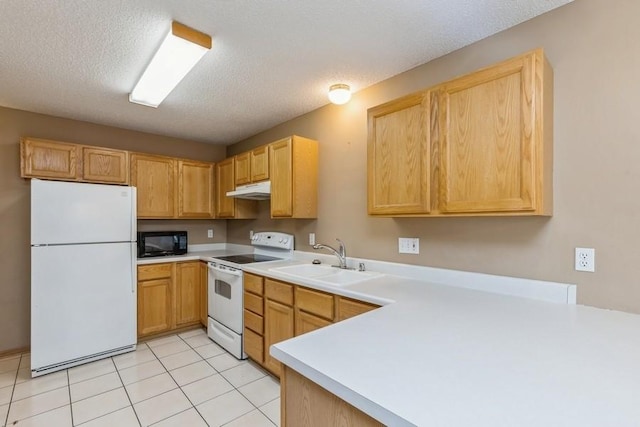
column 225, row 286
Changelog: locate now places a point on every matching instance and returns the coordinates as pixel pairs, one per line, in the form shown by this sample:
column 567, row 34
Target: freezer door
column 83, row 301
column 69, row 212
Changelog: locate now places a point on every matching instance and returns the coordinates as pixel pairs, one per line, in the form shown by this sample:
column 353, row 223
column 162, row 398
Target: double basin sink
column 326, row 274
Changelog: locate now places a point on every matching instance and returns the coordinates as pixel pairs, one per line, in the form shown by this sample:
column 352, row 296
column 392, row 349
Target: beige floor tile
column 124, row 361
column 162, row 341
column 207, row 388
column 95, row 386
column 23, row 375
column 189, row 418
column 193, row 333
column 140, row 372
column 7, row 379
column 190, row 373
column 38, row 404
column 170, row 348
column 91, row 370
column 272, row 410
column 224, row 361
column 181, row 359
column 243, row 374
column 225, row 408
column 254, row 418
column 40, row 385
column 60, row 417
column 4, row 410
column 25, row 361
column 125, row 417
column 261, row 391
column 97, row 406
column 198, row 341
column 210, row 350
column 5, row 397
column 145, row 389
column 160, row 407
column 9, row 364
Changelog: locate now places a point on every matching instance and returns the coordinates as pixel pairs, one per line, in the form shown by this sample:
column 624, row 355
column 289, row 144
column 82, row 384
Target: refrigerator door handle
column 134, row 213
column 134, row 268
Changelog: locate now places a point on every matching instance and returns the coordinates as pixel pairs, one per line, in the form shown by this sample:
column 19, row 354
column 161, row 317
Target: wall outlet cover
column 408, row 245
column 585, row 259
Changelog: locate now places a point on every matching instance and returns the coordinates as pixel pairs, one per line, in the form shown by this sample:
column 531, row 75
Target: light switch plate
column 408, row 245
column 210, row 233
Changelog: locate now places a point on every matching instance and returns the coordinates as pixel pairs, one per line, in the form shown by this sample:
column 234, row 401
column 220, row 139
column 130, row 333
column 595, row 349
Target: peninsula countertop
column 441, row 355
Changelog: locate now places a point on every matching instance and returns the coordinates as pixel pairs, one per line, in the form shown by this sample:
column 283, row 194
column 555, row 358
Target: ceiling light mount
column 180, row 51
column 339, row 93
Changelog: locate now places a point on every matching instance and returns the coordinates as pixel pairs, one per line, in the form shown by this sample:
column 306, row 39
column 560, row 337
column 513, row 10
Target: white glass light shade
column 339, row 94
column 173, row 60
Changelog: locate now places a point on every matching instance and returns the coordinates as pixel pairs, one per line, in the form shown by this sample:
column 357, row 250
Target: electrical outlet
column 586, row 259
column 312, row 239
column 250, row 234
column 210, row 233
column 408, row 245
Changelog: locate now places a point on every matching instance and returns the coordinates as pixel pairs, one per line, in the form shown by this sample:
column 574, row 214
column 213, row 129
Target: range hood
column 257, row 191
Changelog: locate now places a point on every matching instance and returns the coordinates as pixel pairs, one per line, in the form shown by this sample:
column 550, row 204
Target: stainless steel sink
column 326, row 274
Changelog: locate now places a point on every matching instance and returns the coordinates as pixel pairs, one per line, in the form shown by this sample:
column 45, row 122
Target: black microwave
column 161, row 243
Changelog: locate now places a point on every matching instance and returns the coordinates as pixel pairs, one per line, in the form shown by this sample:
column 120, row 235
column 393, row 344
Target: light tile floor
column 179, row 380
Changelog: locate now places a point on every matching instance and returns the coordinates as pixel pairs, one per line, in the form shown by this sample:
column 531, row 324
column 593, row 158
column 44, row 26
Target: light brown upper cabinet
column 483, row 144
column 398, row 156
column 293, row 170
column 105, row 165
column 252, row 166
column 228, row 207
column 154, row 178
column 40, row 158
column 195, row 189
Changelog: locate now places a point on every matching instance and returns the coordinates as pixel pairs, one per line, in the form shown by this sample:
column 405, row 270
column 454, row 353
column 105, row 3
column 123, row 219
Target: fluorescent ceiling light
column 339, row 94
column 179, row 53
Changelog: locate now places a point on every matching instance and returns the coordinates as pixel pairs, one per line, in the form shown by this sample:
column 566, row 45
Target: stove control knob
column 280, row 240
column 285, row 241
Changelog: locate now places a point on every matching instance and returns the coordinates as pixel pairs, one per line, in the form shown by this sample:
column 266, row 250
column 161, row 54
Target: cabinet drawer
column 279, row 291
column 349, row 308
column 253, row 283
column 254, row 345
column 154, row 271
column 253, row 322
column 315, row 302
column 253, row 303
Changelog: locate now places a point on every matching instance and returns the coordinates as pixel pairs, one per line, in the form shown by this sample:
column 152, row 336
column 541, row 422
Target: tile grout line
column 13, row 389
column 70, row 401
column 126, row 392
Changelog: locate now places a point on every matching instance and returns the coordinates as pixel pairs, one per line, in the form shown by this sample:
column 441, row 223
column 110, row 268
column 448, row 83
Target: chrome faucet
column 341, row 253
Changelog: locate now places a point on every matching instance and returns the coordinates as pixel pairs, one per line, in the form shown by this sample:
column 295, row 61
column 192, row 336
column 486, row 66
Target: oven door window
column 223, row 289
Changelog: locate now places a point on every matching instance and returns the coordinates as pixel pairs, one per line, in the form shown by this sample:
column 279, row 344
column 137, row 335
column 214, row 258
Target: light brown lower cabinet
column 275, row 311
column 168, row 296
column 304, row 403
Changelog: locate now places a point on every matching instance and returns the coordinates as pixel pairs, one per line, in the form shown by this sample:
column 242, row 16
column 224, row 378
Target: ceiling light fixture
column 339, row 94
column 180, row 51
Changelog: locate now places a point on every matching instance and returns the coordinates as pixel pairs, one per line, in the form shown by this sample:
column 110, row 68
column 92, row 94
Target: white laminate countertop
column 440, row 355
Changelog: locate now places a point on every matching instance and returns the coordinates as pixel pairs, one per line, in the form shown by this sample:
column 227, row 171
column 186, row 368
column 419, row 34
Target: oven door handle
column 234, row 272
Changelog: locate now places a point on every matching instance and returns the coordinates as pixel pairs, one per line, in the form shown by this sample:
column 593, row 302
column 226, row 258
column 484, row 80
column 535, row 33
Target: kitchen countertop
column 441, row 355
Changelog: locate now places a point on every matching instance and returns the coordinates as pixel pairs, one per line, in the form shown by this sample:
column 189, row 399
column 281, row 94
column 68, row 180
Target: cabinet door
column 281, row 178
column 204, row 298
column 187, row 293
column 347, row 308
column 154, row 178
column 154, row 306
column 102, row 165
column 40, row 158
column 195, row 189
column 487, row 127
column 243, row 168
column 306, row 322
column 398, row 156
column 260, row 163
column 225, row 206
column 279, row 321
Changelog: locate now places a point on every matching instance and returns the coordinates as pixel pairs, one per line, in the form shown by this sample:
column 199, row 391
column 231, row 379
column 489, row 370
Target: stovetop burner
column 247, row 258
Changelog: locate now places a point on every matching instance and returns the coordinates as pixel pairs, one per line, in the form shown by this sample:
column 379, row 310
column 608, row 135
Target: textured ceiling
column 272, row 60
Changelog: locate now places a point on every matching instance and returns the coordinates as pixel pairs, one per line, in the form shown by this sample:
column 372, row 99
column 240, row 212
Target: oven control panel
column 273, row 239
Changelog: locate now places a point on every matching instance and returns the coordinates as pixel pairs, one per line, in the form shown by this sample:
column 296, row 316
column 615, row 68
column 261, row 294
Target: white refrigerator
column 83, row 273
